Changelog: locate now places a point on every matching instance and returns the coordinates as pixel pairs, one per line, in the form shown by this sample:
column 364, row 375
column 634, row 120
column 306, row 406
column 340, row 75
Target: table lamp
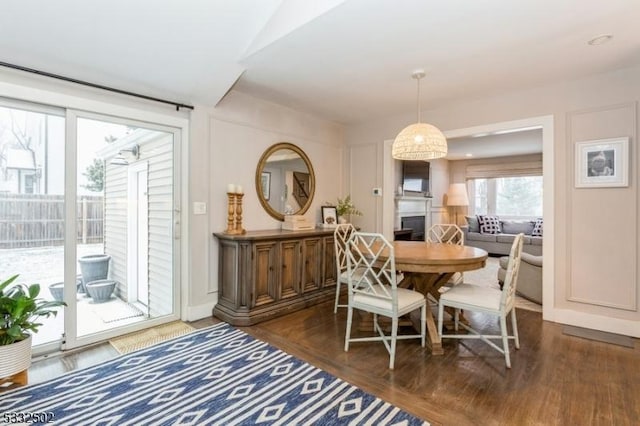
column 457, row 197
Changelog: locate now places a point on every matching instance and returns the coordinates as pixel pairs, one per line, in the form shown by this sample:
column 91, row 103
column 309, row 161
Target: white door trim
column 547, row 125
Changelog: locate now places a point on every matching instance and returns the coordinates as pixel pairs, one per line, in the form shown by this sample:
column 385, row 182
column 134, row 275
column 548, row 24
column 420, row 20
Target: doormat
column 149, row 337
column 600, row 336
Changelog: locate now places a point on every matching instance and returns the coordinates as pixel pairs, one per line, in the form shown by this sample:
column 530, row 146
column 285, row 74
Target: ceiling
column 346, row 60
column 497, row 144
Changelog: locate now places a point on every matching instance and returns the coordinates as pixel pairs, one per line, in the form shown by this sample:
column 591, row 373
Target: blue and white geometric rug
column 214, row 376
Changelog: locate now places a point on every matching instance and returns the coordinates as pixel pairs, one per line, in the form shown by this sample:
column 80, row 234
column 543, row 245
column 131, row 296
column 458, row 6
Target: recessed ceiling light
column 601, row 39
column 468, row 154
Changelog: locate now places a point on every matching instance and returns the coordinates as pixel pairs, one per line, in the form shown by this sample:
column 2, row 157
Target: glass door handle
column 176, row 223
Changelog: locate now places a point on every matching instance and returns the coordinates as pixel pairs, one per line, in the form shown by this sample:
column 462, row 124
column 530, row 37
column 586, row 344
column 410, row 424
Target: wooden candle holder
column 234, row 214
column 239, row 228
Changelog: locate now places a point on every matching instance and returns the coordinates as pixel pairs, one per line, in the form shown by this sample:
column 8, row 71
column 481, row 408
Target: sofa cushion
column 536, row 241
column 489, row 224
column 537, row 228
column 476, row 236
column 516, row 227
column 508, row 239
column 474, row 225
column 505, row 238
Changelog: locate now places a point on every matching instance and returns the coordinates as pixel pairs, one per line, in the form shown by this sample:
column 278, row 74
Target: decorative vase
column 94, row 267
column 15, row 357
column 100, row 290
column 342, row 220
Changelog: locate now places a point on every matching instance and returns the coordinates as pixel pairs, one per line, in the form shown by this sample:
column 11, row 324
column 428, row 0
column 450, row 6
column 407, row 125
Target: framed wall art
column 602, row 163
column 329, row 215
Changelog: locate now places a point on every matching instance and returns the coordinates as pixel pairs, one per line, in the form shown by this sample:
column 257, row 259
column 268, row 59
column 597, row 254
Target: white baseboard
column 595, row 322
column 194, row 313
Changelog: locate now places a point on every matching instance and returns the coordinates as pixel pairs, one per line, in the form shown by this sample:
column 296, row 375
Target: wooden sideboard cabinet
column 264, row 274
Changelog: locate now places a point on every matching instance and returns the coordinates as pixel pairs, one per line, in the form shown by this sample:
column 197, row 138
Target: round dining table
column 428, row 266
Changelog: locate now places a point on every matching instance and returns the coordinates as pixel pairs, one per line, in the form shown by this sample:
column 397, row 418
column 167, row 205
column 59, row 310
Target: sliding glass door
column 89, row 208
column 127, row 211
column 32, row 200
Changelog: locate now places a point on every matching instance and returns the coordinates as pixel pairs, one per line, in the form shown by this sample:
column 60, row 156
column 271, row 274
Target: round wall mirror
column 285, row 181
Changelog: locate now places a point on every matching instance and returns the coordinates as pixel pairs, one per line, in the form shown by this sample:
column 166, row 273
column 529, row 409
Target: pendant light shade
column 419, row 141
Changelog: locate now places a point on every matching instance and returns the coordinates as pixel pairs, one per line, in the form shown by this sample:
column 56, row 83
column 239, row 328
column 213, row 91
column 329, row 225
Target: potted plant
column 346, row 208
column 20, row 309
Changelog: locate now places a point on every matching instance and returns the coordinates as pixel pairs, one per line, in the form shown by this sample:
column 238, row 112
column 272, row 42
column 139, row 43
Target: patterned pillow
column 537, row 228
column 489, row 224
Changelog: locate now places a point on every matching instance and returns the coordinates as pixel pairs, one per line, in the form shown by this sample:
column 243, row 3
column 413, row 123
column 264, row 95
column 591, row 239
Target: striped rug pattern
column 214, row 376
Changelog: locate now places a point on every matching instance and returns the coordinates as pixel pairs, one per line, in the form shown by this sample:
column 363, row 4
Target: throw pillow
column 516, row 227
column 537, row 228
column 489, row 224
column 472, row 221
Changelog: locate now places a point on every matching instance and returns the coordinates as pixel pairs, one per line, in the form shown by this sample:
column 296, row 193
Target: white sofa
column 501, row 243
column 529, row 277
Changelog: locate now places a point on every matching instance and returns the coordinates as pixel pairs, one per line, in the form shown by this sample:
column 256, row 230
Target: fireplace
column 412, row 213
column 416, row 224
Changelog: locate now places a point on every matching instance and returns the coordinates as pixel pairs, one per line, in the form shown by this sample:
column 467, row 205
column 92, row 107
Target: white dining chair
column 373, row 288
column 447, row 233
column 490, row 301
column 341, row 235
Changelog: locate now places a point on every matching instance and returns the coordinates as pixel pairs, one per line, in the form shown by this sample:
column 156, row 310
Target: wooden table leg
column 433, row 339
column 428, row 284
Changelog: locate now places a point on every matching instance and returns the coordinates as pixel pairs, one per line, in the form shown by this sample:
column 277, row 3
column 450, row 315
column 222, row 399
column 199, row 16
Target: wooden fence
column 34, row 220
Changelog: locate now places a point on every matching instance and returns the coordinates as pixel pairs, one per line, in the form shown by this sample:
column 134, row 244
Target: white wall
column 588, row 108
column 227, row 142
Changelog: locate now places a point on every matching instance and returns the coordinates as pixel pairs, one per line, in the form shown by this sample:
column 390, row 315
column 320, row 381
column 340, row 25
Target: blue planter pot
column 57, row 291
column 94, row 267
column 100, row 290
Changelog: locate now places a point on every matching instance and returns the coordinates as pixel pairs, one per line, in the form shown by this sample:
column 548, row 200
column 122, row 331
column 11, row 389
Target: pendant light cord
column 418, row 78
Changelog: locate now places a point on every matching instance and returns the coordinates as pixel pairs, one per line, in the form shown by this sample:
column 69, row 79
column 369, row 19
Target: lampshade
column 457, row 195
column 419, row 141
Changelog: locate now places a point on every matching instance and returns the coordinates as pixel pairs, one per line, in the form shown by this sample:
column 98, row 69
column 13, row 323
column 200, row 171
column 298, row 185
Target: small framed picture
column 265, row 181
column 602, row 163
column 329, row 215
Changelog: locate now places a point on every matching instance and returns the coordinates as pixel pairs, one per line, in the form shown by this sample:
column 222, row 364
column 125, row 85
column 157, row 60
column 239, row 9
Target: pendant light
column 419, row 141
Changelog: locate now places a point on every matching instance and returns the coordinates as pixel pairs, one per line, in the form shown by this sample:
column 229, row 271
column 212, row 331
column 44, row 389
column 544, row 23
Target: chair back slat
column 371, row 266
column 513, row 268
column 447, row 233
column 341, row 235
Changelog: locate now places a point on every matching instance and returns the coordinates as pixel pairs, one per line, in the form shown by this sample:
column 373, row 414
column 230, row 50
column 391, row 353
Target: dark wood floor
column 554, row 380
